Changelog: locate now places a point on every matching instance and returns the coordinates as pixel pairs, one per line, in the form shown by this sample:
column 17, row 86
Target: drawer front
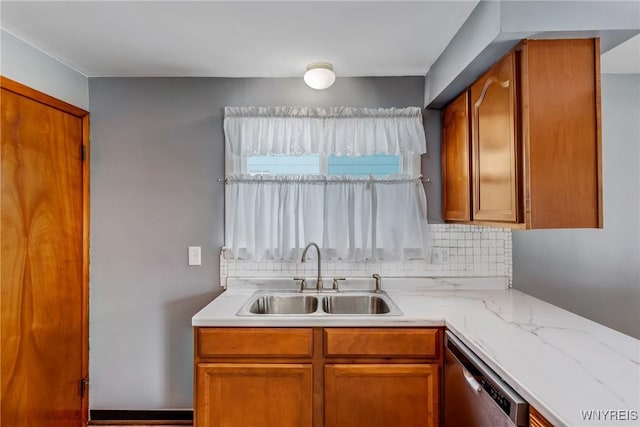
column 255, row 342
column 367, row 342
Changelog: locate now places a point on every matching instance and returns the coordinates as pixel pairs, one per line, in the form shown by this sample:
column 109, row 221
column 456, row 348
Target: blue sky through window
column 377, row 164
column 281, row 164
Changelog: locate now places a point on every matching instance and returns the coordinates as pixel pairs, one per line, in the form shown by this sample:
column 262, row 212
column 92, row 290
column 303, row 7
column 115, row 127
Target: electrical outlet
column 195, row 257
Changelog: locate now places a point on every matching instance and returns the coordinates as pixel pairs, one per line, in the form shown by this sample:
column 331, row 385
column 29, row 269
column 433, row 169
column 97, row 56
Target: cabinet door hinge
column 84, row 385
column 83, row 152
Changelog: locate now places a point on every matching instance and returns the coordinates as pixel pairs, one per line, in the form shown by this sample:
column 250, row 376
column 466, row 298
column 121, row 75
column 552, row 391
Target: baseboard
column 158, row 417
column 123, row 423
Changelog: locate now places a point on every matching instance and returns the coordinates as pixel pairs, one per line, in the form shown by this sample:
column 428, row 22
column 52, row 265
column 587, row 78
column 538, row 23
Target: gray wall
column 32, row 67
column 156, row 154
column 596, row 273
column 432, row 164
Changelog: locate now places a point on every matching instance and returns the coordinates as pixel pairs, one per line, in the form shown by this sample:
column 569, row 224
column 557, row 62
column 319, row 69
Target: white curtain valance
column 343, row 131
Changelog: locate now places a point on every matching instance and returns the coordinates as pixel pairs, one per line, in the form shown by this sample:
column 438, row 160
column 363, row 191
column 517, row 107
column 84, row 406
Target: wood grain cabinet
column 258, row 377
column 381, row 395
column 254, row 394
column 536, row 419
column 456, row 166
column 533, row 137
column 377, row 377
column 303, row 377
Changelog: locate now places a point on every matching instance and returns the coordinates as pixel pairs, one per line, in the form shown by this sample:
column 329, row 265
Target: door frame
column 43, row 98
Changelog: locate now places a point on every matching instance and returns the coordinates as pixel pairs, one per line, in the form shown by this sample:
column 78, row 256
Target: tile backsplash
column 458, row 251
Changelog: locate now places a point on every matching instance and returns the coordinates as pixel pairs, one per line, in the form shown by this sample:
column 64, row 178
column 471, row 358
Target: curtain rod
column 419, row 178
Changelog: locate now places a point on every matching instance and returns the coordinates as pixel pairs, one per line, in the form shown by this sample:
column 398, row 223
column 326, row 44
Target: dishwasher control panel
column 496, row 395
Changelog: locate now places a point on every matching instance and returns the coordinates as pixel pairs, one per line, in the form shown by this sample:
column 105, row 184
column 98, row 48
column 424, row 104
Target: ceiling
column 238, row 38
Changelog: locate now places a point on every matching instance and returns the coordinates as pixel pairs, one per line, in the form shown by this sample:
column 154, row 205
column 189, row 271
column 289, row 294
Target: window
column 377, row 165
column 281, row 164
column 315, row 164
column 296, row 175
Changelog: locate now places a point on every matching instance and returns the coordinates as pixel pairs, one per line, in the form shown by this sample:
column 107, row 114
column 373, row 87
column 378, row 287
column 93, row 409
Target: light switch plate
column 195, row 257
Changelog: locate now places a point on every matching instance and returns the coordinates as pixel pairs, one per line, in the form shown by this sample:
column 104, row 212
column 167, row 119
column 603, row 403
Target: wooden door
column 43, row 259
column 374, row 395
column 495, row 144
column 254, row 395
column 456, row 194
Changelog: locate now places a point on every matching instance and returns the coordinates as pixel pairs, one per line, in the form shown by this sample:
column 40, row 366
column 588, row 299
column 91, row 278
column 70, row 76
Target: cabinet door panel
column 494, row 144
column 381, row 395
column 253, row 395
column 456, row 194
column 563, row 147
column 255, row 342
column 381, row 342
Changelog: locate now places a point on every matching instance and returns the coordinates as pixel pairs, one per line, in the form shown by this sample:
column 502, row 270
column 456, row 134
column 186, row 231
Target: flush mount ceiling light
column 319, row 75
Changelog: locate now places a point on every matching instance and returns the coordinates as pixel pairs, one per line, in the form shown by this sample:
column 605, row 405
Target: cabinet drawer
column 258, row 342
column 381, row 342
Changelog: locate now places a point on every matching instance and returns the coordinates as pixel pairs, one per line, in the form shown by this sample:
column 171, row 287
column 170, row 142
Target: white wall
column 30, row 66
column 596, row 273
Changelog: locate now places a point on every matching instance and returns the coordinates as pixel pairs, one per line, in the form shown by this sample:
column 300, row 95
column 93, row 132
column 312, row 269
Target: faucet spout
column 304, row 256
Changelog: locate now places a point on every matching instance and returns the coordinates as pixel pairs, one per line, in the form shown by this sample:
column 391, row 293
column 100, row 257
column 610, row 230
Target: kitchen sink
column 355, row 304
column 282, row 303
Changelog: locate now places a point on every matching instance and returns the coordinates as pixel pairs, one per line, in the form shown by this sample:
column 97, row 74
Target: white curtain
column 350, row 218
column 343, row 131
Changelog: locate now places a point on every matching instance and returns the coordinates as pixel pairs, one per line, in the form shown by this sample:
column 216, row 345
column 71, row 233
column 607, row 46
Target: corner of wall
column 31, row 66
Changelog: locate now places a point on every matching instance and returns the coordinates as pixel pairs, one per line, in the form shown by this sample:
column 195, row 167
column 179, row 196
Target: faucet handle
column 335, row 283
column 378, row 283
column 303, row 282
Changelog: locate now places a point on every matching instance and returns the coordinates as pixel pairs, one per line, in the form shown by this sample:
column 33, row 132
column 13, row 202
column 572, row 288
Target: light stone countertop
column 561, row 363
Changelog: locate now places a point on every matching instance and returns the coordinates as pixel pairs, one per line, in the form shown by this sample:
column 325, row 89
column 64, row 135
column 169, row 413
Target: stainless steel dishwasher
column 474, row 395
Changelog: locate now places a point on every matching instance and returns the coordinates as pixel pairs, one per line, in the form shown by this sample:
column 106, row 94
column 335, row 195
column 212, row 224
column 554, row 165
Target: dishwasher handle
column 475, row 385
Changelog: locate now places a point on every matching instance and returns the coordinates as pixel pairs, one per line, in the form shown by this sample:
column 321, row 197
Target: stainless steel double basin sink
column 271, row 303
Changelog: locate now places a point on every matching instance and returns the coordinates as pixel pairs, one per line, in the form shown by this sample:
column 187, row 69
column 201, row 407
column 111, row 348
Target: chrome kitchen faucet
column 304, row 255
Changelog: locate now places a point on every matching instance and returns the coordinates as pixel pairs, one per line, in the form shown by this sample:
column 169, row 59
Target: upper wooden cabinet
column 494, row 144
column 456, row 204
column 534, row 139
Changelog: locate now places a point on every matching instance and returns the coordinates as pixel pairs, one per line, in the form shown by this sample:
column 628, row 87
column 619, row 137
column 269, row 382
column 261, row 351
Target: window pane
column 281, row 164
column 377, row 164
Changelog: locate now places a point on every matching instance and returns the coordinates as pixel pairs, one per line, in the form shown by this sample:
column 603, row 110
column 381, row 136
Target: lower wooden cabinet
column 536, row 419
column 317, row 377
column 381, row 395
column 254, row 395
